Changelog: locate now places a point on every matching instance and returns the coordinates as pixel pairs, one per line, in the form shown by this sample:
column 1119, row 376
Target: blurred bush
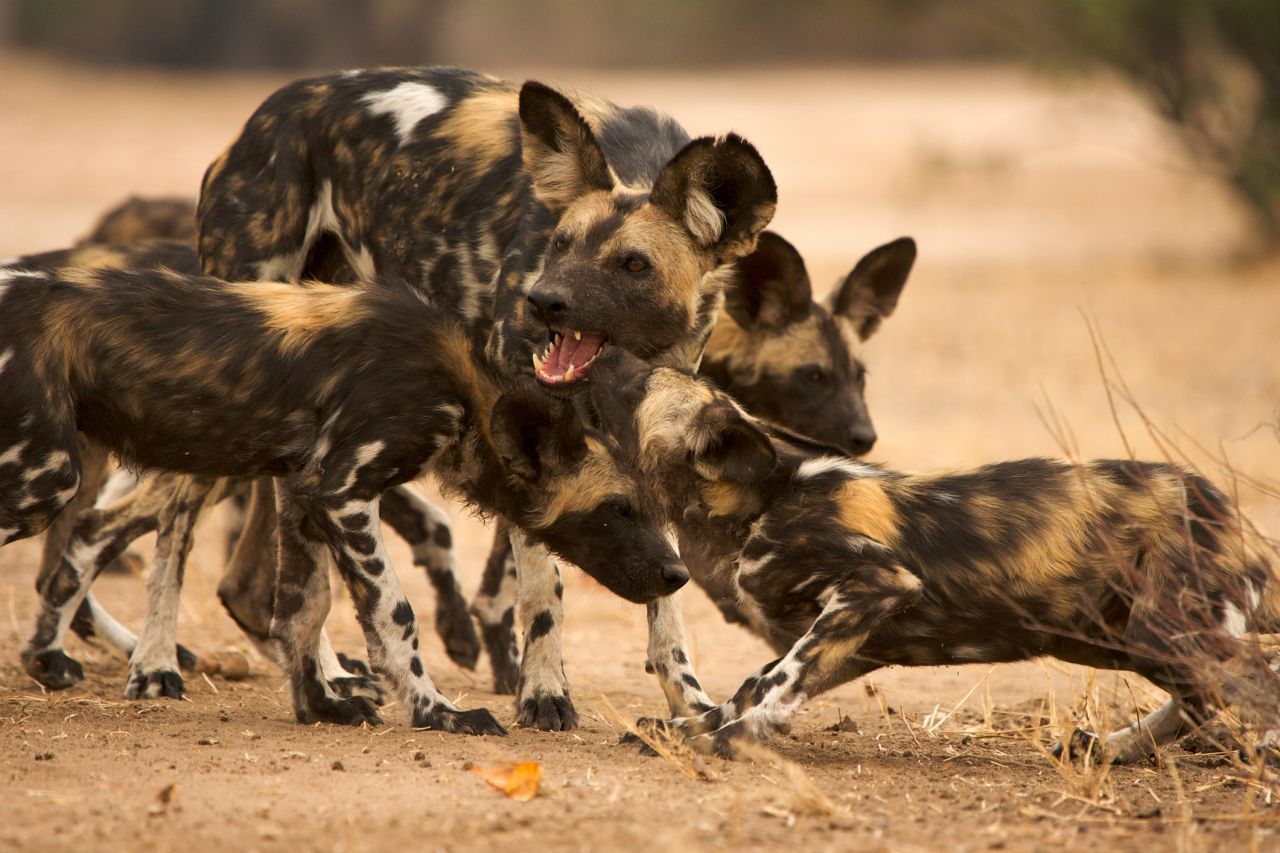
column 1212, row 68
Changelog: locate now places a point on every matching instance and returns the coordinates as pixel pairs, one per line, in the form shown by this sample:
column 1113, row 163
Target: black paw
column 157, row 684
column 548, row 713
column 187, row 659
column 1079, row 746
column 351, row 711
column 367, row 686
column 646, row 727
column 477, row 721
column 53, row 668
column 454, row 625
column 355, row 666
column 504, row 658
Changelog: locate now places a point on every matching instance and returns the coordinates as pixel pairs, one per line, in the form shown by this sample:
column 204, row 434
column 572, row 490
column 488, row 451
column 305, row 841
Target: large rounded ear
column 870, row 293
column 733, row 448
column 721, row 191
column 560, row 152
column 533, row 432
column 770, row 286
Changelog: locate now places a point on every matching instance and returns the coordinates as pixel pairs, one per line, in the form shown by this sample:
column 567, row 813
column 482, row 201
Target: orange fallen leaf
column 517, row 781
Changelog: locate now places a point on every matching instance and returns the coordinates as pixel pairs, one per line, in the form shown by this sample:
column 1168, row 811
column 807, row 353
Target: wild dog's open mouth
column 568, row 356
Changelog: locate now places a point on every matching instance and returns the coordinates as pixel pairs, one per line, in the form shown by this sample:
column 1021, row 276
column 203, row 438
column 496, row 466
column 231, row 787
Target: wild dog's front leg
column 297, row 620
column 390, row 627
column 822, row 658
column 542, row 700
column 428, row 533
column 153, row 666
column 669, row 659
column 495, row 607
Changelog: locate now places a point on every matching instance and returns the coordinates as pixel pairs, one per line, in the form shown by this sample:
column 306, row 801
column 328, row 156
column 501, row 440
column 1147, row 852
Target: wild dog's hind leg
column 153, row 667
column 426, row 528
column 248, row 590
column 297, row 621
column 125, row 501
column 350, row 525
column 495, row 607
column 822, row 658
column 542, row 700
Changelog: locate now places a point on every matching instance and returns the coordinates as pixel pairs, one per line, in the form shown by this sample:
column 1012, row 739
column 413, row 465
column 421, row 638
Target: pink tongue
column 585, row 350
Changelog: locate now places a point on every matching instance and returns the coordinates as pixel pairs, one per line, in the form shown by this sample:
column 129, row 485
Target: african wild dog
column 423, row 526
column 845, row 567
column 454, row 182
column 339, row 393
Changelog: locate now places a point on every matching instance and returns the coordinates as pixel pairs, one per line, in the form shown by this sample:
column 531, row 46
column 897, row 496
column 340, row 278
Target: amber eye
column 560, row 243
column 635, row 264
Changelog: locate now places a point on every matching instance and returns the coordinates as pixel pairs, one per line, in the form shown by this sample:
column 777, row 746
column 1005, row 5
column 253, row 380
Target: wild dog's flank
column 341, row 392
column 846, row 567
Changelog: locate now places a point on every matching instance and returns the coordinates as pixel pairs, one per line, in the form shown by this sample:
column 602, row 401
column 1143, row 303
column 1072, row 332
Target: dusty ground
column 1035, row 204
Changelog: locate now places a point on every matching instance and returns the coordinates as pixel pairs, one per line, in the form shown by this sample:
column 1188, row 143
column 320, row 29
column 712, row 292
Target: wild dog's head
column 798, row 363
column 639, row 267
column 567, row 490
column 678, row 431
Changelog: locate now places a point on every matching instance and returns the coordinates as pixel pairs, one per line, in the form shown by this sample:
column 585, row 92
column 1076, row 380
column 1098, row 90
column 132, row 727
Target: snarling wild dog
column 138, row 507
column 543, row 222
column 338, row 392
column 846, row 567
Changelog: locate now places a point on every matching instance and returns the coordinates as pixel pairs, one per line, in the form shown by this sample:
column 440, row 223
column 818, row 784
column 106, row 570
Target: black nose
column 548, row 305
column 861, row 441
column 674, row 576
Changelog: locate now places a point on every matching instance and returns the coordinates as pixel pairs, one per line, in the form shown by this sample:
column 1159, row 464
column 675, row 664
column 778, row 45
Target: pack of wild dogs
column 570, row 315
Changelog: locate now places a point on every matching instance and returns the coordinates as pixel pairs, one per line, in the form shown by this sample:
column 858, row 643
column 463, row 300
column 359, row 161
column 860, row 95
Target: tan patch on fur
column 594, row 481
column 863, row 506
column 729, row 499
column 751, row 353
column 666, row 419
column 299, row 314
column 479, row 126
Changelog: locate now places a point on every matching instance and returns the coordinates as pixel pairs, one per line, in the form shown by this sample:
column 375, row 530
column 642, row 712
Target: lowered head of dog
column 794, row 361
column 690, row 443
column 642, row 266
column 565, row 486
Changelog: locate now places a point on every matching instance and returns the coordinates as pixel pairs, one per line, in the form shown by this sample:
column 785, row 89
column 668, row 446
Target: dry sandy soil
column 1036, row 204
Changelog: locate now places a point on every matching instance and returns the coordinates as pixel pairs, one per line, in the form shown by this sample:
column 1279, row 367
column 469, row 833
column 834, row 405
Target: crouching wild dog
column 847, row 567
column 537, row 219
column 340, row 393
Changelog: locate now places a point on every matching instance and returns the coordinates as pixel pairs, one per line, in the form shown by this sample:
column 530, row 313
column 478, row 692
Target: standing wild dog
column 340, row 393
column 137, row 509
column 453, row 182
column 845, row 567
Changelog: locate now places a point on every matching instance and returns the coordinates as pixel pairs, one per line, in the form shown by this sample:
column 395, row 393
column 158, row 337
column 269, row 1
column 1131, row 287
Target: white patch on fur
column 966, row 652
column 814, row 467
column 14, row 454
column 6, row 357
column 365, row 454
column 363, row 263
column 321, row 217
column 704, row 220
column 7, row 534
column 1233, row 621
column 408, row 103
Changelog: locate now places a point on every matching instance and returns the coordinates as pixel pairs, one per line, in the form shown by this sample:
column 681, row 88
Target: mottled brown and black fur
column 845, row 567
column 421, row 525
column 338, row 392
column 520, row 210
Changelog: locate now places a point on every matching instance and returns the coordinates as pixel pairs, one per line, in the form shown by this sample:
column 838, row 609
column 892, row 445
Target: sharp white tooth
column 538, row 363
column 577, row 336
column 568, row 374
column 559, row 338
